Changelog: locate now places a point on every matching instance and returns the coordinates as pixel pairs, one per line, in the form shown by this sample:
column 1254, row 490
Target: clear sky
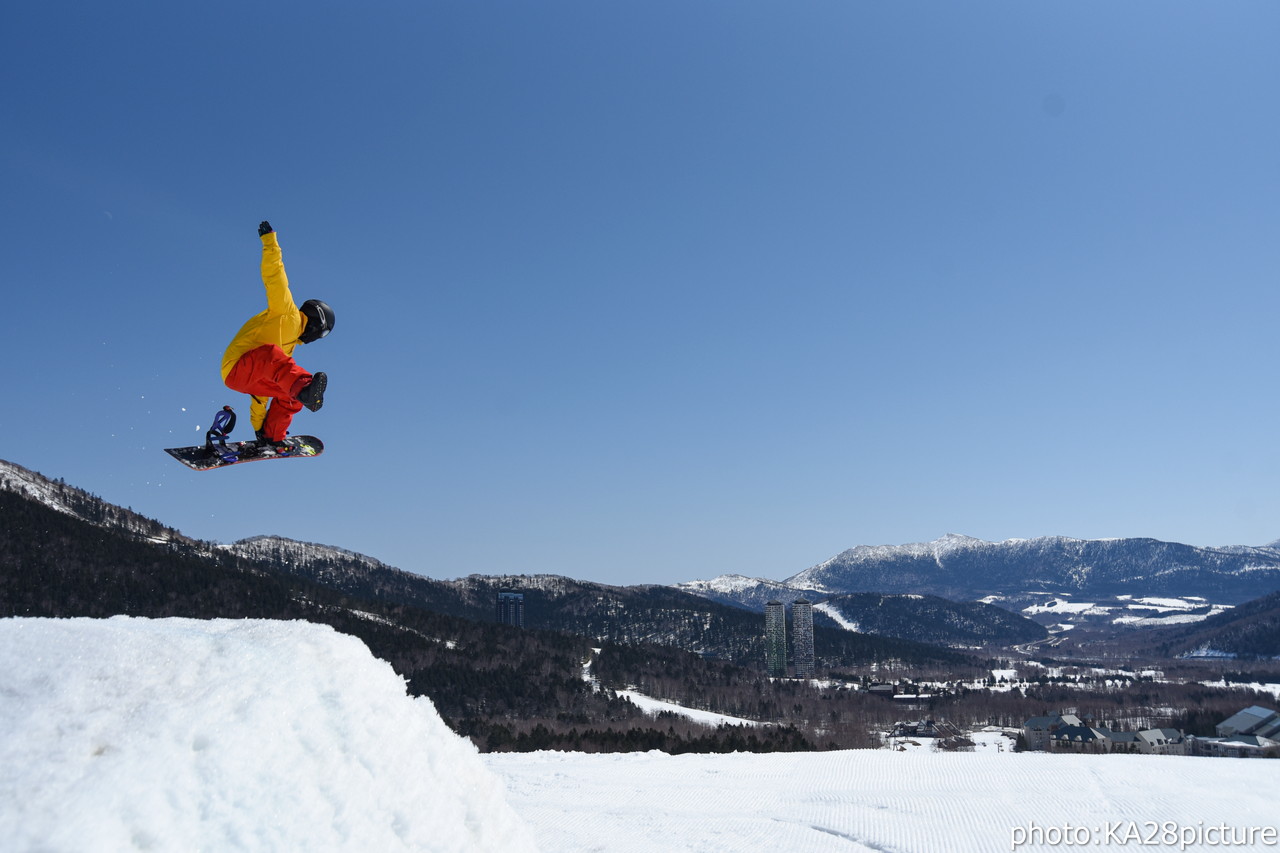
column 647, row 292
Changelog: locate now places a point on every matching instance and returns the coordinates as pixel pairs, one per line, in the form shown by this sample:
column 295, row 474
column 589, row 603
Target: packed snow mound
column 184, row 734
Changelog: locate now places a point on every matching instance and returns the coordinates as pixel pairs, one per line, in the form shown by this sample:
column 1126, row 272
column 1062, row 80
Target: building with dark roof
column 1081, row 739
column 1254, row 720
column 1036, row 731
column 1162, row 742
column 1250, row 733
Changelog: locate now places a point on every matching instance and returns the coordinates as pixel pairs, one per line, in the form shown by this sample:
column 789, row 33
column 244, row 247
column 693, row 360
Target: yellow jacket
column 280, row 324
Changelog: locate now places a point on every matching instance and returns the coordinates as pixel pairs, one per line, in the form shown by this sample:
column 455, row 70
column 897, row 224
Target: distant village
column 1251, row 733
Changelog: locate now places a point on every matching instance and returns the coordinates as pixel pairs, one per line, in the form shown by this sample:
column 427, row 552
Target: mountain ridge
column 965, row 568
column 670, row 614
column 651, row 613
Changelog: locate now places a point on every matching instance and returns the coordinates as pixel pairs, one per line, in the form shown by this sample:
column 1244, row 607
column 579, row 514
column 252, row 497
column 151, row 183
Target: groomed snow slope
column 180, row 734
column 880, row 800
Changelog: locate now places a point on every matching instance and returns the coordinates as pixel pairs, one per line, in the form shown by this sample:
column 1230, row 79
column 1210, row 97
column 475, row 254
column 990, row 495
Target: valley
column 671, row 663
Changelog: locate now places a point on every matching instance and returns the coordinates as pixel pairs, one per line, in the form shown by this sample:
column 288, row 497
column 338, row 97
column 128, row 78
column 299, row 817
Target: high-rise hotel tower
column 775, row 638
column 802, row 637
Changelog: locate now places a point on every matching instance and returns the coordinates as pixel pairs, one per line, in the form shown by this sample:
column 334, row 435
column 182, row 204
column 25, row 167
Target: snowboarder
column 223, row 423
column 259, row 359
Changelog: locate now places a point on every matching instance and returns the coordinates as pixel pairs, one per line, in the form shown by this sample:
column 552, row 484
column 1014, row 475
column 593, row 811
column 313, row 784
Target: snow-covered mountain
column 319, row 561
column 964, row 567
column 1251, row 630
column 931, row 619
column 743, row 591
column 103, row 559
column 78, row 503
column 1020, row 572
column 1105, row 582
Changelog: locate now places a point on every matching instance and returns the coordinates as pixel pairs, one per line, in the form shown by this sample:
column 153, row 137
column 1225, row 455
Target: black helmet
column 319, row 320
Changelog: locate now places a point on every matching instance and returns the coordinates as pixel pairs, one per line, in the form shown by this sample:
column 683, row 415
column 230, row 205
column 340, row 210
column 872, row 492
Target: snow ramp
column 184, row 734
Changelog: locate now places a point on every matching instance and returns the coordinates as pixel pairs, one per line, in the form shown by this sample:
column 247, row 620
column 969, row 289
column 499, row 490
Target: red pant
column 266, row 372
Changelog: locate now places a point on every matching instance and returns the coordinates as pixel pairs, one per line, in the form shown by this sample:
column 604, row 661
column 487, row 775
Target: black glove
column 264, row 228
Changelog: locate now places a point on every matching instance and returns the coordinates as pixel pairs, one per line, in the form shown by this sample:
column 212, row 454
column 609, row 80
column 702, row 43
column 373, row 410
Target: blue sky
column 644, row 292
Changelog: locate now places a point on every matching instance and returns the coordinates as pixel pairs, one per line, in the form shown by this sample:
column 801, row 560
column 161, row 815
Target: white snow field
column 653, row 707
column 179, row 734
column 879, row 800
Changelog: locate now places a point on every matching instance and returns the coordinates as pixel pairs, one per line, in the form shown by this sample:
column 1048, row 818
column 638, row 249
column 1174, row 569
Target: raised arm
column 279, row 298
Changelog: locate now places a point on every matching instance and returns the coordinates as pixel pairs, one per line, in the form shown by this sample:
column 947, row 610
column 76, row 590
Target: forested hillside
column 505, row 687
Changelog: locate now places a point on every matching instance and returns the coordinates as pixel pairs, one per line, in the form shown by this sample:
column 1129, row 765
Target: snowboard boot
column 313, row 395
column 265, row 444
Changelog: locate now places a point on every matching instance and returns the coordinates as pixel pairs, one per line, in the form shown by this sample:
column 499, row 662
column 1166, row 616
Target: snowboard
column 239, row 452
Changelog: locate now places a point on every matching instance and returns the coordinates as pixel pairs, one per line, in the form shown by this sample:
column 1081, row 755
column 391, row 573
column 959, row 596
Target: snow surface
column 834, row 612
column 1157, row 621
column 653, row 707
column 182, row 734
column 1128, row 610
column 1273, row 689
column 873, row 799
column 1058, row 605
column 176, row 734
